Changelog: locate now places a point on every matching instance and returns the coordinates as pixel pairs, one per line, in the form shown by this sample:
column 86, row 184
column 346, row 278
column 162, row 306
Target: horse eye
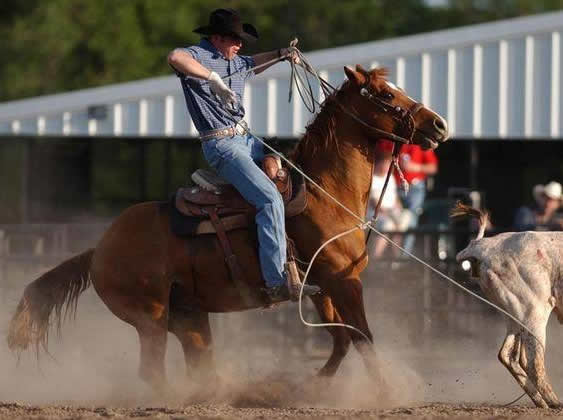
column 387, row 95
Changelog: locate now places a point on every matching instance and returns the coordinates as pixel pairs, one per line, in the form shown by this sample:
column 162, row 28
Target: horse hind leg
column 340, row 338
column 152, row 338
column 192, row 329
column 146, row 309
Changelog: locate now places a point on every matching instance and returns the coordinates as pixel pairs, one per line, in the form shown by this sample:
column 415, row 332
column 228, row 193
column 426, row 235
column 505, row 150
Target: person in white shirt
column 392, row 217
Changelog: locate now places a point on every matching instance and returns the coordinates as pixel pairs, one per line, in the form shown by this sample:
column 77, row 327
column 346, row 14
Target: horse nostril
column 439, row 125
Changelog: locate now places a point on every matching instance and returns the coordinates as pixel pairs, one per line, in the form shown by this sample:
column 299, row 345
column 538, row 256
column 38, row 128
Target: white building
column 493, row 80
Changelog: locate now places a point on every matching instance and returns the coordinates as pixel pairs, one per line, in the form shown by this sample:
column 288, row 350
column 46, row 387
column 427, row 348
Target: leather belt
column 240, row 128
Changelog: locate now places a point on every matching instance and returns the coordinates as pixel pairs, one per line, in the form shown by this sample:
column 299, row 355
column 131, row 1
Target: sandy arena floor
column 92, row 371
column 220, row 411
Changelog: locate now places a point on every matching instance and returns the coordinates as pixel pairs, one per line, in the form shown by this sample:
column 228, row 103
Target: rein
column 302, row 82
column 301, row 79
column 405, row 117
column 395, row 155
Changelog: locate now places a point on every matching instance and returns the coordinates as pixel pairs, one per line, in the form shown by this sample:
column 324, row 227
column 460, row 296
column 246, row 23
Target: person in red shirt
column 417, row 164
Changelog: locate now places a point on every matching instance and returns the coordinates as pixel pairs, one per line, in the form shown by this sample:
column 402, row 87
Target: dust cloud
column 433, row 344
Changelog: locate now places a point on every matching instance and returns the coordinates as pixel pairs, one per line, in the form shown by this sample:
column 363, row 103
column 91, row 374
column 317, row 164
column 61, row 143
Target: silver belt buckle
column 241, row 127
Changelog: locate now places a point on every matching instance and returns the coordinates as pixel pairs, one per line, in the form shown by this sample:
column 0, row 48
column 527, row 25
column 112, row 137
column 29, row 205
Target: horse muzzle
column 433, row 133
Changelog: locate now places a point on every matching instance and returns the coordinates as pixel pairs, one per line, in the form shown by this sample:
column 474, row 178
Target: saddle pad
column 181, row 224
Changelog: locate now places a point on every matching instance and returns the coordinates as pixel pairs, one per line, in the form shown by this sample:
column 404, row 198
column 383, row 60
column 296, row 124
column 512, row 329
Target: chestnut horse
column 158, row 282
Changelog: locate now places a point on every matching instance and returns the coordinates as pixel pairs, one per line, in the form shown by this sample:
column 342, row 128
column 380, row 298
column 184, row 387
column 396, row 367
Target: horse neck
column 342, row 169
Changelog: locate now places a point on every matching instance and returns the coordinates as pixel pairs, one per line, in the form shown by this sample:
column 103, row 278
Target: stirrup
column 293, row 280
column 276, row 294
column 294, row 283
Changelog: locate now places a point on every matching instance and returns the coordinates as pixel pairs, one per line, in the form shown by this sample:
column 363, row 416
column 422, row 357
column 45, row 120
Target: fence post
column 427, row 292
column 2, row 285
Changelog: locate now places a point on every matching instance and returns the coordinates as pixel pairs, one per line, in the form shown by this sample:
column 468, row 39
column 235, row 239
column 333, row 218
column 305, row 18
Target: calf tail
column 461, row 210
column 53, row 296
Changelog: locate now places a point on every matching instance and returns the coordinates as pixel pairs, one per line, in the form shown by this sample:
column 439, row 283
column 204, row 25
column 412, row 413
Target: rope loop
column 301, row 73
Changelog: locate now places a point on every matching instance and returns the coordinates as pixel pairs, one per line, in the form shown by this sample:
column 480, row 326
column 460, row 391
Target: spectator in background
column 544, row 214
column 417, row 164
column 392, row 216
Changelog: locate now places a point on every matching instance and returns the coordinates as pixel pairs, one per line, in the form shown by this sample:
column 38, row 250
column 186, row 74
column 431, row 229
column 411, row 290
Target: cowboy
column 215, row 106
column 544, row 214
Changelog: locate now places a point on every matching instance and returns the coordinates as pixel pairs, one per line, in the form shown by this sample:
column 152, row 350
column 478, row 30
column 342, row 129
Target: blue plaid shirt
column 207, row 112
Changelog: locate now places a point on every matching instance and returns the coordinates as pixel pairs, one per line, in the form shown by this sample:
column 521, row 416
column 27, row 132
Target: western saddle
column 215, row 207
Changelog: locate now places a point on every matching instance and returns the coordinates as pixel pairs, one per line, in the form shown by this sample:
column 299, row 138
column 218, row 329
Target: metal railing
column 492, row 80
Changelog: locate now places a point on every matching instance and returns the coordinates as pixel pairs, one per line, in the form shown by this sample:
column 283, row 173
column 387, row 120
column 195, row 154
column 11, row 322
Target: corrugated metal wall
column 500, row 79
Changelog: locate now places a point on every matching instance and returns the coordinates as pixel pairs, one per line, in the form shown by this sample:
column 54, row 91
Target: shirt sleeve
column 194, row 53
column 429, row 156
column 248, row 63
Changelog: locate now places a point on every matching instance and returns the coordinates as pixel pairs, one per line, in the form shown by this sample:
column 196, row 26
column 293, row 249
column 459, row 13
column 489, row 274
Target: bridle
column 405, row 119
column 403, row 116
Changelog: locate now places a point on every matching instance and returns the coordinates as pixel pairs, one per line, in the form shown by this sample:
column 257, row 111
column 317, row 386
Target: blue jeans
column 237, row 159
column 413, row 201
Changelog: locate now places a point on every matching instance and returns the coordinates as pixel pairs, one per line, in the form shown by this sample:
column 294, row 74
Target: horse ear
column 360, row 69
column 355, row 77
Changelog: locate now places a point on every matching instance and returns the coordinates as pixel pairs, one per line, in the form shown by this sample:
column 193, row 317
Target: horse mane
column 320, row 132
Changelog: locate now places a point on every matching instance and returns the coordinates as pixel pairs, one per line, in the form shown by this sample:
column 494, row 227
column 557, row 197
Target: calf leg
column 340, row 337
column 532, row 360
column 520, row 292
column 509, row 356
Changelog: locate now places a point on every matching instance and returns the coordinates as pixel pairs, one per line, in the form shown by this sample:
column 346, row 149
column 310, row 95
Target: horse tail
column 462, row 210
column 55, row 291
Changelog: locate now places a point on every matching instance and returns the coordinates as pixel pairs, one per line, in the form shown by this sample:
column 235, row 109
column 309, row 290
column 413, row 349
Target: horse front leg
column 340, row 337
column 347, row 296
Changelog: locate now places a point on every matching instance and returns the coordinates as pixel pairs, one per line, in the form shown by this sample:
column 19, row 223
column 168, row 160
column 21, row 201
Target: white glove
column 290, row 54
column 219, row 88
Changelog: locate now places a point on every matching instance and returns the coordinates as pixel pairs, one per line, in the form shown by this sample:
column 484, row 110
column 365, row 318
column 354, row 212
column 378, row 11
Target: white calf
column 523, row 274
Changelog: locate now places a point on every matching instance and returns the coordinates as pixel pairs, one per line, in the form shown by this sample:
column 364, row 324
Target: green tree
column 61, row 45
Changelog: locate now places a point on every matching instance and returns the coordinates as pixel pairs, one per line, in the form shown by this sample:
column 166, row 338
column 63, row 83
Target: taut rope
column 307, row 95
column 328, row 89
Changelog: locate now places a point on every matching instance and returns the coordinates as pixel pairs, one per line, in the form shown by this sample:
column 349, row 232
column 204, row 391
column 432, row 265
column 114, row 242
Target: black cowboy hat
column 227, row 22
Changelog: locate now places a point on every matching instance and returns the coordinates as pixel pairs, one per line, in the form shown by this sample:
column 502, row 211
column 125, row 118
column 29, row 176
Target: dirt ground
column 267, row 368
column 224, row 411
